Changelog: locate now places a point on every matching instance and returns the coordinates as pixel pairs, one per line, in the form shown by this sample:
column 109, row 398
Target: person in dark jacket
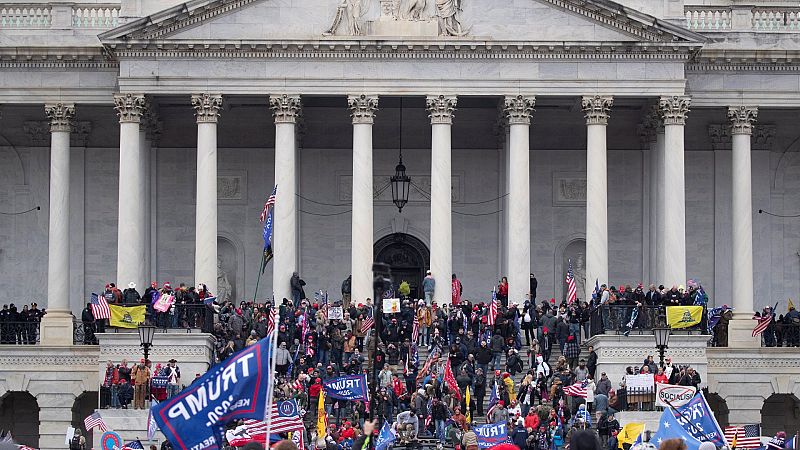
column 591, row 361
column 130, row 296
column 296, row 285
column 89, row 327
column 519, row 435
column 534, row 285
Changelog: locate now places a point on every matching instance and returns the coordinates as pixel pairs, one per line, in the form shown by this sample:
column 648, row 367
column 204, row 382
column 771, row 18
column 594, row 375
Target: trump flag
column 235, row 389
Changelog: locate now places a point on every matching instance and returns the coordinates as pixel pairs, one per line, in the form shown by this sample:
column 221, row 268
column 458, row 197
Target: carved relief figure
column 413, row 9
column 580, row 274
column 448, row 12
column 352, row 11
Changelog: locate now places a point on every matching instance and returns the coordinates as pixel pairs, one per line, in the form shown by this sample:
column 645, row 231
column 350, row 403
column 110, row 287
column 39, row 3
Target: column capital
column 285, row 108
column 130, row 107
column 519, row 109
column 206, row 107
column 441, row 108
column 362, row 108
column 60, row 115
column 595, row 108
column 674, row 109
column 742, row 119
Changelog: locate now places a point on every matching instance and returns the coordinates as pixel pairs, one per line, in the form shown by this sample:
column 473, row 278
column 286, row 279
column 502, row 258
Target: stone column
column 131, row 250
column 658, row 278
column 673, row 258
column 362, row 111
column 56, row 327
column 649, row 134
column 518, row 110
column 286, row 109
column 595, row 110
column 440, row 110
column 55, row 415
column 206, row 108
column 742, row 119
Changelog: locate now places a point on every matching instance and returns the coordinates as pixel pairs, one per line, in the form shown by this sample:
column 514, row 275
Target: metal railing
column 616, row 319
column 19, row 333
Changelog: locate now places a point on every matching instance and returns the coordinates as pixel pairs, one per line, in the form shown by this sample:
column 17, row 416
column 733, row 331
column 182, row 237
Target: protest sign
column 640, row 382
column 672, row 395
column 391, row 305
column 335, row 313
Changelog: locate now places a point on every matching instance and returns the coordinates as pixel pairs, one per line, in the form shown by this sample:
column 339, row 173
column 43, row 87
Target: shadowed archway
column 19, row 414
column 408, row 258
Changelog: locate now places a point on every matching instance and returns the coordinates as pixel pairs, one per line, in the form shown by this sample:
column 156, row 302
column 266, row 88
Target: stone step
column 130, row 424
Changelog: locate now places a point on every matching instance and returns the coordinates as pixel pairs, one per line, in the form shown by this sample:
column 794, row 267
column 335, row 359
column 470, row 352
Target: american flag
column 745, row 436
column 433, row 358
column 763, row 323
column 415, row 330
column 271, row 320
column 286, row 417
column 100, row 309
column 572, row 291
column 577, row 389
column 94, row 420
column 270, row 202
column 493, row 308
column 494, row 398
column 368, row 323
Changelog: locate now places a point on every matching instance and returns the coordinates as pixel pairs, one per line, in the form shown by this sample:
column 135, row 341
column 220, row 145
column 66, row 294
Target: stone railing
column 25, row 16
column 705, row 18
column 95, row 16
column 59, row 16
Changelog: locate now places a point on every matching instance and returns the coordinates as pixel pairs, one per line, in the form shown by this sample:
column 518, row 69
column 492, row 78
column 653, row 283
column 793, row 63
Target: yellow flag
column 736, row 437
column 790, row 304
column 127, row 316
column 466, row 399
column 684, row 316
column 629, row 433
column 321, row 418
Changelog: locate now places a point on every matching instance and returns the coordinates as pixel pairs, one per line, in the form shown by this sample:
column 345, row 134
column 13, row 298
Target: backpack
column 75, row 443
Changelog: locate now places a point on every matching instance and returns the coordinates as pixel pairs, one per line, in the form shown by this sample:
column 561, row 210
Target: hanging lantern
column 401, row 183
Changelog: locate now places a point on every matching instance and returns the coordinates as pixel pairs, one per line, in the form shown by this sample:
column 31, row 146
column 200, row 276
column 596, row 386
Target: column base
column 740, row 333
column 56, row 329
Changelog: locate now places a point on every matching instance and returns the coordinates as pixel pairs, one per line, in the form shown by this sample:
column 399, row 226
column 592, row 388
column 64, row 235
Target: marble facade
column 532, row 130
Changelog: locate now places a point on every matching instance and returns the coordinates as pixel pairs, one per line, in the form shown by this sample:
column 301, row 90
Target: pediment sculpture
column 399, row 18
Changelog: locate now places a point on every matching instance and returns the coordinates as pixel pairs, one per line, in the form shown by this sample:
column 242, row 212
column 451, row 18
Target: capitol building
column 639, row 140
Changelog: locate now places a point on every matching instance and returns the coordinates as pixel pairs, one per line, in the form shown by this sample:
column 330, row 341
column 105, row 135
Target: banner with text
column 491, row 434
column 234, row 389
column 353, row 387
column 684, row 316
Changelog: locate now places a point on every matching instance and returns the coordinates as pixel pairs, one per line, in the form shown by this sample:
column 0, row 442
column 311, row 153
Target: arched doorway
column 719, row 406
column 85, row 405
column 781, row 412
column 19, row 414
column 408, row 258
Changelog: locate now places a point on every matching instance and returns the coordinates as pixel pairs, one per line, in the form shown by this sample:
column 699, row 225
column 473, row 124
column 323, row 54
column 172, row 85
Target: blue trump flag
column 352, row 387
column 698, row 419
column 491, row 434
column 386, row 438
column 268, row 225
column 234, row 389
column 670, row 428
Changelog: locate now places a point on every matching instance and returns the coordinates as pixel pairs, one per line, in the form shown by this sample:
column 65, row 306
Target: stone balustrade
column 720, row 18
column 55, row 15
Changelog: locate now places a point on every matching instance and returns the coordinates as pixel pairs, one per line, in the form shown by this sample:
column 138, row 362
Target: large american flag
column 367, row 324
column 745, row 436
column 100, row 309
column 94, row 420
column 763, row 323
column 577, row 389
column 572, row 291
column 284, row 419
column 270, row 202
column 493, row 308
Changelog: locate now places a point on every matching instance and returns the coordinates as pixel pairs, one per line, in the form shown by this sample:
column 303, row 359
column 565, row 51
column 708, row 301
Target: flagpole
column 270, row 388
column 260, row 272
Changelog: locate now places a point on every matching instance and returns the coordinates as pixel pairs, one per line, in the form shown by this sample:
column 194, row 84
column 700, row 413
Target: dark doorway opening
column 19, row 414
column 408, row 259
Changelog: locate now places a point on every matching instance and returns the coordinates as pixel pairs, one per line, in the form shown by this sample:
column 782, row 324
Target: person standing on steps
column 428, row 287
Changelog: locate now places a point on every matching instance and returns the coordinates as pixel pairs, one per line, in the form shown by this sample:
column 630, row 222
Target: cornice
column 391, row 50
column 784, row 66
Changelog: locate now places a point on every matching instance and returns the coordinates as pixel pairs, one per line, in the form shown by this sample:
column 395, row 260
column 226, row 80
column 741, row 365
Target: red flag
column 451, row 380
